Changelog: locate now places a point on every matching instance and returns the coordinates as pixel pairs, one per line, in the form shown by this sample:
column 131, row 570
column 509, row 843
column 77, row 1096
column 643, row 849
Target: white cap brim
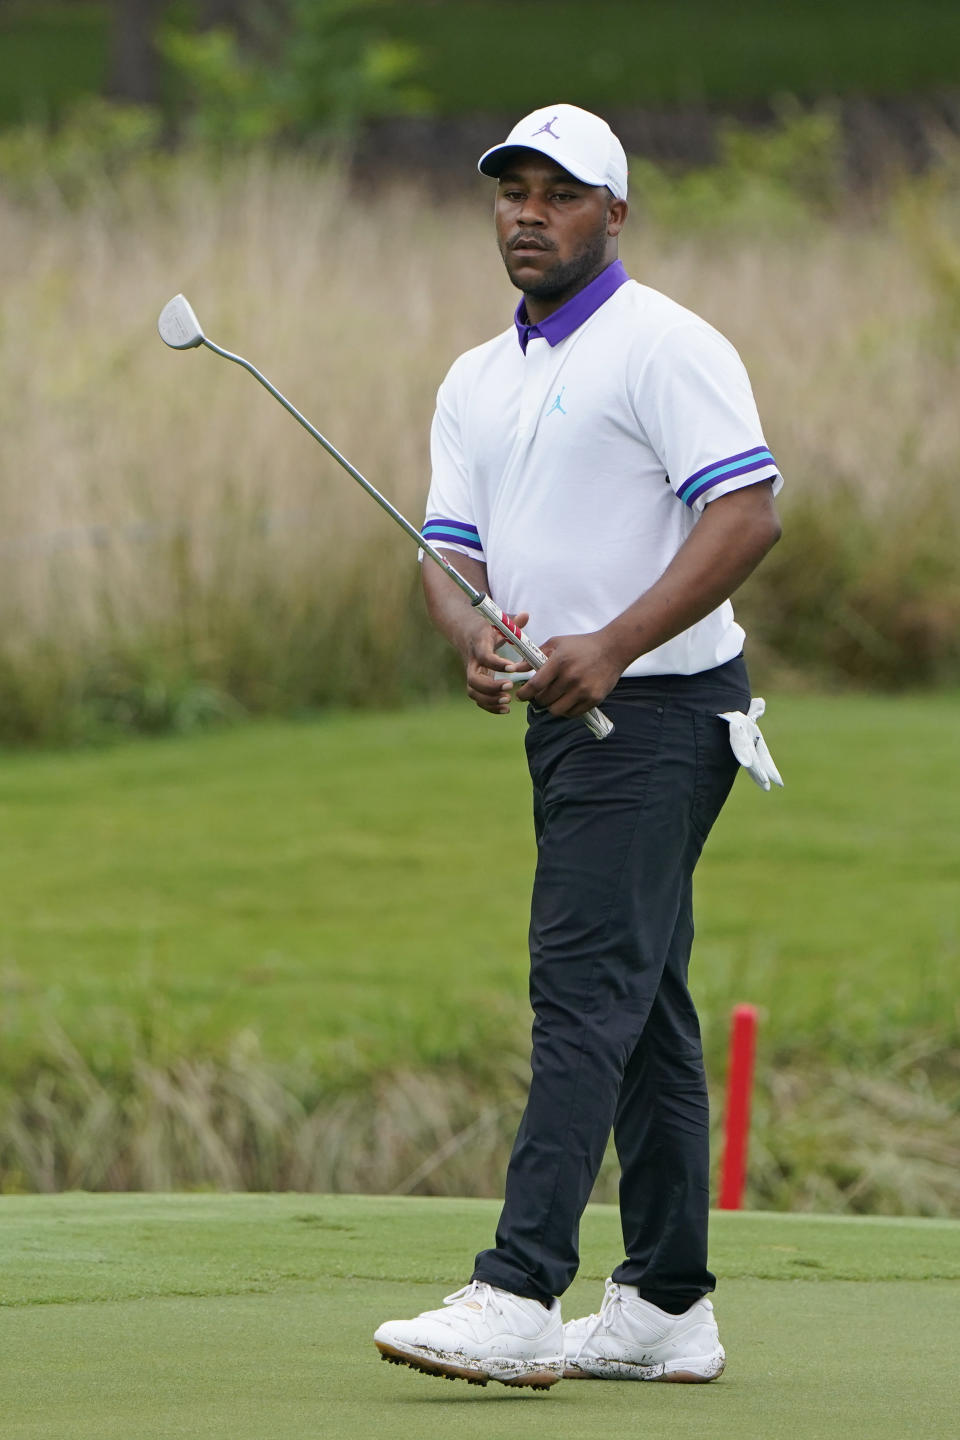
column 488, row 163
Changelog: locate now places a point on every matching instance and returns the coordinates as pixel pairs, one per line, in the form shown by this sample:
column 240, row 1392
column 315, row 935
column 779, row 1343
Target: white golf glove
column 749, row 746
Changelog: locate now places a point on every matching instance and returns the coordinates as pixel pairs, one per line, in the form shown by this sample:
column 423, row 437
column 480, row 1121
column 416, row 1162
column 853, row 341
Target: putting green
column 250, row 1317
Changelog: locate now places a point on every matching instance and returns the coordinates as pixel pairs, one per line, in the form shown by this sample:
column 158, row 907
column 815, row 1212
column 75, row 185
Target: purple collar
column 571, row 316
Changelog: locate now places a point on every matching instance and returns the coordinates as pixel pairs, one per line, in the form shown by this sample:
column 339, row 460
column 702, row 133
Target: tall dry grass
column 825, row 1137
column 173, row 545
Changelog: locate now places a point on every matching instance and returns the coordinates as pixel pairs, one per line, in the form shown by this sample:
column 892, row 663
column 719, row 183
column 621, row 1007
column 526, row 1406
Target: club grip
column 595, row 720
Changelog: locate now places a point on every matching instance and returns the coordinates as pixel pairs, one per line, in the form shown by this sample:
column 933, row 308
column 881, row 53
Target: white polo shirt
column 576, row 470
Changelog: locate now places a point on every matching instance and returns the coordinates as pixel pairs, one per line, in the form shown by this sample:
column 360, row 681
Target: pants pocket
column 716, row 771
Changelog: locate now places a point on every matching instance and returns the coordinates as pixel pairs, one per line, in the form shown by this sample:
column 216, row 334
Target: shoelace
column 612, row 1300
column 478, row 1292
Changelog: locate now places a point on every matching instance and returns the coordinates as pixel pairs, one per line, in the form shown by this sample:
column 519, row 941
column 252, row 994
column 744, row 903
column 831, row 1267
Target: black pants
column 620, row 825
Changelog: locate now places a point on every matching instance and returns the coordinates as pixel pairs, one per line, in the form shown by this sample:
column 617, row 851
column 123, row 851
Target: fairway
column 247, row 1317
column 302, row 879
column 276, row 920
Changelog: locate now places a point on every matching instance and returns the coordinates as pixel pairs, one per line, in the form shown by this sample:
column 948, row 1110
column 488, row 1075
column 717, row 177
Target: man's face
column 554, row 232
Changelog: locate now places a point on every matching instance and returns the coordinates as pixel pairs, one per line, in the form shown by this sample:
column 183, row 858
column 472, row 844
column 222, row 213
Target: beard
column 566, row 276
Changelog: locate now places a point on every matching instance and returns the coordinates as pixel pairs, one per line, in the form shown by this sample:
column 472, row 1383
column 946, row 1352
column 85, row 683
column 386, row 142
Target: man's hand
column 488, row 682
column 487, row 671
column 727, row 542
column 580, row 673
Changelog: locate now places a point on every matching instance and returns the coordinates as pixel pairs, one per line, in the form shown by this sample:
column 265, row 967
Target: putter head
column 179, row 327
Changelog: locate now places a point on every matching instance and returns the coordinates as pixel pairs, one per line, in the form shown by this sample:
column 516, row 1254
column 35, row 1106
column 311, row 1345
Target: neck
column 539, row 308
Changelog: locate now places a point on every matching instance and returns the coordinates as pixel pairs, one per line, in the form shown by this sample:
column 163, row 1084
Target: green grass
column 248, row 1316
column 486, row 55
column 355, row 888
column 52, row 54
column 292, row 956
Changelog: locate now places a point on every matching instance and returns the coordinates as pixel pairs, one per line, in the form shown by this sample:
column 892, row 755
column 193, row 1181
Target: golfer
column 599, row 469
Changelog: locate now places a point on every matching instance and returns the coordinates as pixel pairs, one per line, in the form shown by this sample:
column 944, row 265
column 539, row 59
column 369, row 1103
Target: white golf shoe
column 630, row 1339
column 482, row 1334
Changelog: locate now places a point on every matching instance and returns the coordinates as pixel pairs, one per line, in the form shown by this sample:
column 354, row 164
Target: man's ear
column 616, row 216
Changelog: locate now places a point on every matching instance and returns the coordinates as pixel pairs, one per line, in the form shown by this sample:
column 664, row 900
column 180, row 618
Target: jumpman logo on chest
column 556, row 404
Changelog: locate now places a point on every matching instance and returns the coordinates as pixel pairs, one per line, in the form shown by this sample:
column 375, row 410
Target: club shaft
column 595, row 721
column 332, row 451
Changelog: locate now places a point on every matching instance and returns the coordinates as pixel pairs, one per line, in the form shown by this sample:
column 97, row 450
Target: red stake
column 743, row 1038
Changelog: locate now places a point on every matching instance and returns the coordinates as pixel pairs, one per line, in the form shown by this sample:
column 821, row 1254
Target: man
column 600, row 465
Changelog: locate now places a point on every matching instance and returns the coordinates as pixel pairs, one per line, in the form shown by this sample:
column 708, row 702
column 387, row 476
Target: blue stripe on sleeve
column 759, row 458
column 456, row 532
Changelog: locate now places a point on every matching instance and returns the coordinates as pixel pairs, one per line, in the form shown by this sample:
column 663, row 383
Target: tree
column 134, row 61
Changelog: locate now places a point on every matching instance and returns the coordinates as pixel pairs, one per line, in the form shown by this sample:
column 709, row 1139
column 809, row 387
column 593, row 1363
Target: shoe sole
column 621, row 1370
column 534, row 1379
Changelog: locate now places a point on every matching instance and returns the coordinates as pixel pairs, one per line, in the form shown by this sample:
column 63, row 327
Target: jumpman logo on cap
column 545, row 129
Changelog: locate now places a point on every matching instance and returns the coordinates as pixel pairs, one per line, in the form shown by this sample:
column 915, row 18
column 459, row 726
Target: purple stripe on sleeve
column 728, row 460
column 434, row 535
column 763, row 464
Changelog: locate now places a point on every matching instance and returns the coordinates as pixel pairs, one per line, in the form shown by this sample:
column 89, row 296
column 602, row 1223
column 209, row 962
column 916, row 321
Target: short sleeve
column 695, row 403
column 450, row 520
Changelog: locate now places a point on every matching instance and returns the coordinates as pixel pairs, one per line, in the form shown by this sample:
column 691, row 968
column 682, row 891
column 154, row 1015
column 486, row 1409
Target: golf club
column 180, row 329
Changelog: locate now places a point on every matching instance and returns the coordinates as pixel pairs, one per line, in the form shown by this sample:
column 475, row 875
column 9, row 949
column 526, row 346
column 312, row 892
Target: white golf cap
column 580, row 142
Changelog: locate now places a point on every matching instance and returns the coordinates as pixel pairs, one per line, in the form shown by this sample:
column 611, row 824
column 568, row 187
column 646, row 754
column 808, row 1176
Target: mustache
column 530, row 240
